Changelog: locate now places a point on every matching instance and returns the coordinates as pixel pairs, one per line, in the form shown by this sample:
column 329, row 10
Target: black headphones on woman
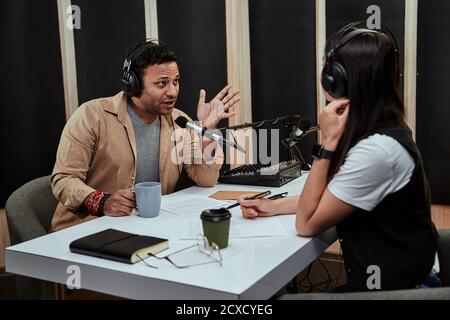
column 334, row 76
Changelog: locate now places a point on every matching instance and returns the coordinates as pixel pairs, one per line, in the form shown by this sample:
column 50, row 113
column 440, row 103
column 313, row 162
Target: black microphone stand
column 287, row 121
column 294, row 152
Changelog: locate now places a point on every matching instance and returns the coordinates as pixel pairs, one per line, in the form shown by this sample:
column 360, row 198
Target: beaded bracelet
column 102, row 203
column 95, row 202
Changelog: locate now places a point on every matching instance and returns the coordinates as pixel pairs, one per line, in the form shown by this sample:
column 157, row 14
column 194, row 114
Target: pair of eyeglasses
column 211, row 250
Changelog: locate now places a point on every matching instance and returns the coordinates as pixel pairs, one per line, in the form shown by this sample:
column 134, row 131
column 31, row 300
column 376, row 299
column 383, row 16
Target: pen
column 278, row 196
column 256, row 196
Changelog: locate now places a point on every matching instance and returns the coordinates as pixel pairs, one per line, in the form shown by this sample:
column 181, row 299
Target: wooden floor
column 4, row 237
column 441, row 216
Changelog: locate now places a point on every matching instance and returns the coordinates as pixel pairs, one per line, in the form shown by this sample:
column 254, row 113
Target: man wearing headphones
column 110, row 144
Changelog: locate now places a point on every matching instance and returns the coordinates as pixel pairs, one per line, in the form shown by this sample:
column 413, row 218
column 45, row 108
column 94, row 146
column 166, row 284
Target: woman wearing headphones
column 367, row 177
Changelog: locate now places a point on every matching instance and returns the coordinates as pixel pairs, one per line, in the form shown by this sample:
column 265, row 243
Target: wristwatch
column 319, row 151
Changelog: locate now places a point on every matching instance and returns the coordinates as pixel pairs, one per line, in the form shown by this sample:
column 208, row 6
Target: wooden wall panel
column 4, row 237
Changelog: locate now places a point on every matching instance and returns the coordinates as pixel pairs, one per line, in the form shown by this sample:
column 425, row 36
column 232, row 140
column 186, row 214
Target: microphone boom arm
column 258, row 124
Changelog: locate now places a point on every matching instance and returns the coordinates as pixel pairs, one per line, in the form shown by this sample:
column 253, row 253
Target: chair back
column 29, row 210
column 444, row 256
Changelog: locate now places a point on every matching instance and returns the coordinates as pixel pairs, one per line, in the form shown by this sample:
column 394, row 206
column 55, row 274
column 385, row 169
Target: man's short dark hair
column 153, row 53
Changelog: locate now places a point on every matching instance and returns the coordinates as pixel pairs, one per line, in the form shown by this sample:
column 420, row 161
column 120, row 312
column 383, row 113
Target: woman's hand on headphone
column 332, row 120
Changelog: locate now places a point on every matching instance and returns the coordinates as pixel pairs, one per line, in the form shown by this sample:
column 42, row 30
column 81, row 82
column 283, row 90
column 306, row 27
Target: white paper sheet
column 239, row 228
column 186, row 204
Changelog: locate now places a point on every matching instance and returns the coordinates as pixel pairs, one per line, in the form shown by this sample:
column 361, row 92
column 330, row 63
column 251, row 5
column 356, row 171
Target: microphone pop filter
column 181, row 121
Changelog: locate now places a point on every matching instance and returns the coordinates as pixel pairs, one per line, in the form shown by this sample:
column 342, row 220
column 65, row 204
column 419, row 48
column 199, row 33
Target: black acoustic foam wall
column 196, row 31
column 32, row 98
column 108, row 29
column 433, row 109
column 283, row 62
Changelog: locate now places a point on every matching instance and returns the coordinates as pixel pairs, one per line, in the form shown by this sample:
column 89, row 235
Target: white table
column 254, row 268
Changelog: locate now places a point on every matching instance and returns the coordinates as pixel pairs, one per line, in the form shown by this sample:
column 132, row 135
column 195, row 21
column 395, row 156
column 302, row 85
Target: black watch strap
column 320, row 152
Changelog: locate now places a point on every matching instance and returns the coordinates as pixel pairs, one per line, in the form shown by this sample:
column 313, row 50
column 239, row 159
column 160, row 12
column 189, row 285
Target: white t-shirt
column 375, row 167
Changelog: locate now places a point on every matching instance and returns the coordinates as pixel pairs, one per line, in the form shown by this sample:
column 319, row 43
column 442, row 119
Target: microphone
column 184, row 123
column 301, row 129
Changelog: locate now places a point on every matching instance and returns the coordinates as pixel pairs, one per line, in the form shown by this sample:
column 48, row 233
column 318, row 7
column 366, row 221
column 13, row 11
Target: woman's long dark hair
column 371, row 64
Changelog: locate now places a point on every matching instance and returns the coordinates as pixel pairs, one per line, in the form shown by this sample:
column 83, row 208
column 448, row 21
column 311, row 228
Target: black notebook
column 118, row 245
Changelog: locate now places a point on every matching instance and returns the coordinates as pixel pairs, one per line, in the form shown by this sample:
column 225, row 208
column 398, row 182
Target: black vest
column 398, row 235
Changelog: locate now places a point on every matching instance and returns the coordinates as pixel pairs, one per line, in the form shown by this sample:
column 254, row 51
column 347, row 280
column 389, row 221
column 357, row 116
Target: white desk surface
column 253, row 268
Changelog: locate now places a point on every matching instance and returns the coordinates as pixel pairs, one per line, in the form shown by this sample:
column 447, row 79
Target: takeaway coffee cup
column 216, row 226
column 148, row 199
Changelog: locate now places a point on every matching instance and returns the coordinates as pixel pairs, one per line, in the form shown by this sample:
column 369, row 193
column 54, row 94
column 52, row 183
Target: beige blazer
column 97, row 151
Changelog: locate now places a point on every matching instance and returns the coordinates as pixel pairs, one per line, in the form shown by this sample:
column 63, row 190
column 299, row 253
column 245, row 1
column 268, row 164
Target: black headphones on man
column 334, row 76
column 130, row 82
